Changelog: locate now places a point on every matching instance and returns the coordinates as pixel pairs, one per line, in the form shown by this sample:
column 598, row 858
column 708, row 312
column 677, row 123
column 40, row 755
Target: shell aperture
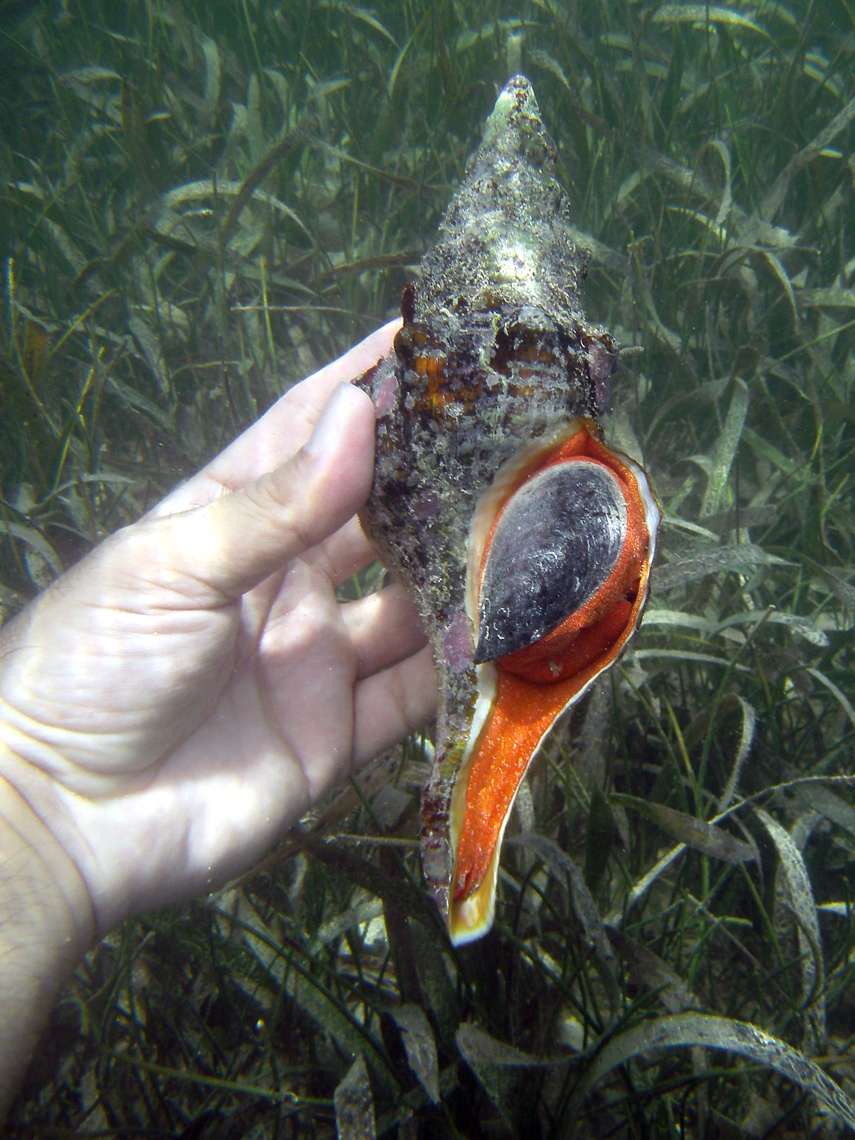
column 536, row 683
column 525, row 541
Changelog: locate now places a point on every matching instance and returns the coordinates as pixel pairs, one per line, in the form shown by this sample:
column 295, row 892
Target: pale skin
column 170, row 705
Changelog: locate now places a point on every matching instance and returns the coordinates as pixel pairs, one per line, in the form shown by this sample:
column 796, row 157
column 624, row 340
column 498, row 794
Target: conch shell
column 524, row 540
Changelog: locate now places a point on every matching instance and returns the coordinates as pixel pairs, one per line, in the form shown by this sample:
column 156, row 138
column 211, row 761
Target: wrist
column 46, row 925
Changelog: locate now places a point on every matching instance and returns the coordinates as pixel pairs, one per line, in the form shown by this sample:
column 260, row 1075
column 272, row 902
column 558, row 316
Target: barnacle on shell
column 525, row 541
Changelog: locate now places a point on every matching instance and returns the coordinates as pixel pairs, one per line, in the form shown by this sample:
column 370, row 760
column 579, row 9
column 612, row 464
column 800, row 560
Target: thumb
column 232, row 544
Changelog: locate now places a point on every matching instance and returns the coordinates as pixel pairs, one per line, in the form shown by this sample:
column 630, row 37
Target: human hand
column 190, row 688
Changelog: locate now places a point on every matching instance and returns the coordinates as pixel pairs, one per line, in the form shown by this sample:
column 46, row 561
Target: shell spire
column 489, row 462
column 506, row 233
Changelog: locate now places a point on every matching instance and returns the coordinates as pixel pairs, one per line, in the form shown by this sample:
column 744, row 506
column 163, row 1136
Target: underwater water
column 204, row 203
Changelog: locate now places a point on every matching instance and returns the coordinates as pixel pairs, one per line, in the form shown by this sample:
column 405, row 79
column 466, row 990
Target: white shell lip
column 462, row 930
column 471, row 918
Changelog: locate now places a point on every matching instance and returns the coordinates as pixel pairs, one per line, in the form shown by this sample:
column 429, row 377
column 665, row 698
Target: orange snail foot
column 532, row 694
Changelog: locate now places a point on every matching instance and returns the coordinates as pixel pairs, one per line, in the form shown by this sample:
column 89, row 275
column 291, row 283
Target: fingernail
column 333, row 421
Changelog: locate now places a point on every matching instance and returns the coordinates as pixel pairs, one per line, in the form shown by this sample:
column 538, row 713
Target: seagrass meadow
column 202, row 203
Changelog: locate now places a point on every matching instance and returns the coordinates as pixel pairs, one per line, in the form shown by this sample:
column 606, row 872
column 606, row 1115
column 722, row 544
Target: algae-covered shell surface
column 524, row 540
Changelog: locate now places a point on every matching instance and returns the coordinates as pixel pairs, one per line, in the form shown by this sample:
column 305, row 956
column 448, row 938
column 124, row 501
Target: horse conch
column 524, row 540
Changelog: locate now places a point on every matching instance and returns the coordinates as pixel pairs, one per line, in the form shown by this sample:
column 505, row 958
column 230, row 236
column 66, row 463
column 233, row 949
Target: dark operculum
column 554, row 545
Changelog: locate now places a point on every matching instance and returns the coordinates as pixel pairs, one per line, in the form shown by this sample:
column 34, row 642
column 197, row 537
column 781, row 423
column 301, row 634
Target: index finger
column 281, row 431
